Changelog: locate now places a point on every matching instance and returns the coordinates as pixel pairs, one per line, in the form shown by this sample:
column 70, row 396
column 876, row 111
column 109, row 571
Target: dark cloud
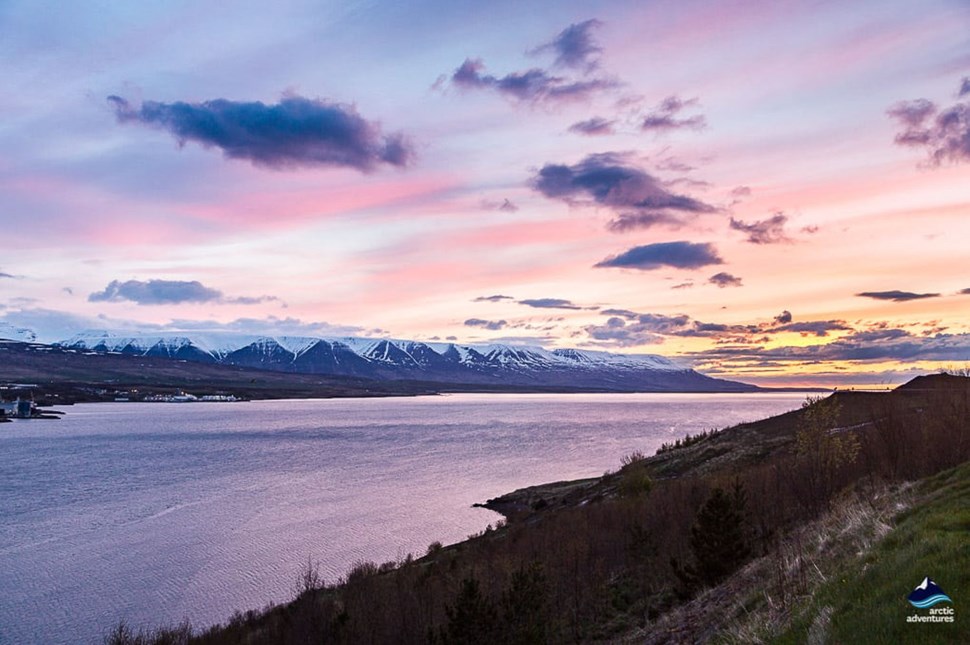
column 641, row 329
column 964, row 87
column 767, row 231
column 627, row 328
column 723, row 279
column 486, row 324
column 168, row 292
column 534, row 85
column 597, row 126
column 7, row 275
column 865, row 346
column 496, row 298
column 505, row 206
column 680, row 255
column 634, row 221
column 297, row 132
column 665, row 117
column 549, row 303
column 625, row 313
column 575, row 46
column 896, row 296
column 610, row 180
column 965, row 292
column 943, row 132
column 816, row 327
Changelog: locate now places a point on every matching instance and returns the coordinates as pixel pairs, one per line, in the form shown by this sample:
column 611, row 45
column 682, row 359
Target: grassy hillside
column 865, row 602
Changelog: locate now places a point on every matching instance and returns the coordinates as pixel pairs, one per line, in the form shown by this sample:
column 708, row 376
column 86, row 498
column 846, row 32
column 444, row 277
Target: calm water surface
column 154, row 512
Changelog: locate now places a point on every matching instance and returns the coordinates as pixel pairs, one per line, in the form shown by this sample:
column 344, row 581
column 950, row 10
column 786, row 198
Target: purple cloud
column 495, row 298
column 505, row 206
column 493, row 325
column 943, row 132
column 783, row 318
column 608, row 179
column 597, row 126
column 549, row 303
column 896, row 296
column 534, row 85
column 816, row 327
column 168, row 292
column 767, row 231
column 880, row 345
column 640, row 329
column 634, row 221
column 679, row 255
column 665, row 118
column 575, row 46
column 295, row 133
column 723, row 280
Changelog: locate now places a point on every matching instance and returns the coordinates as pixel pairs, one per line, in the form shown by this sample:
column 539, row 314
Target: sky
column 775, row 192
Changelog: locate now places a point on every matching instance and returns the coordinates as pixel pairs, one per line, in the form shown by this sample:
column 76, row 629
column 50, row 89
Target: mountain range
column 447, row 363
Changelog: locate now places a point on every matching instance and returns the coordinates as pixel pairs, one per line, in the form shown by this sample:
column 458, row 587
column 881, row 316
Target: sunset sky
column 773, row 192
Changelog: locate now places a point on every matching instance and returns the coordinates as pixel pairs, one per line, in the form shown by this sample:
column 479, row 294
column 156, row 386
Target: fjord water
column 155, row 512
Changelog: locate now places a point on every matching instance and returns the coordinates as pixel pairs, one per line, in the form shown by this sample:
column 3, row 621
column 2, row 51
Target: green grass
column 868, row 599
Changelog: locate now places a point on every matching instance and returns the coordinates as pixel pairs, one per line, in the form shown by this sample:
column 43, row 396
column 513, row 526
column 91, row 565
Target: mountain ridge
column 437, row 362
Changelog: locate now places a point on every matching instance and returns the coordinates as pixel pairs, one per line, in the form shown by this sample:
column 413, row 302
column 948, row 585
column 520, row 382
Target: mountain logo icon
column 927, row 594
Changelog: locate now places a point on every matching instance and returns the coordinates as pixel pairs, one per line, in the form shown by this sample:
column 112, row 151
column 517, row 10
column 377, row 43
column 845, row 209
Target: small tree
column 823, row 448
column 472, row 620
column 525, row 607
column 719, row 537
column 634, row 478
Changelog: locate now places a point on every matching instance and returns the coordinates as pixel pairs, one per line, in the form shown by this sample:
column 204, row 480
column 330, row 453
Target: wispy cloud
column 297, row 132
column 486, row 324
column 575, row 46
column 723, row 279
column 679, row 255
column 943, row 131
column 594, row 127
column 896, row 296
column 495, row 298
column 815, row 327
column 168, row 292
column 533, row 85
column 863, row 346
column 549, row 303
column 766, row 231
column 665, row 118
column 506, row 206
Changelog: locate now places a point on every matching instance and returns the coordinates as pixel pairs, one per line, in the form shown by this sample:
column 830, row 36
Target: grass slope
column 867, row 602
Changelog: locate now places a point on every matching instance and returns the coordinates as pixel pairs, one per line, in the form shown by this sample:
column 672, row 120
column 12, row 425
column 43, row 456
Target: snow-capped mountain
column 389, row 359
column 20, row 334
